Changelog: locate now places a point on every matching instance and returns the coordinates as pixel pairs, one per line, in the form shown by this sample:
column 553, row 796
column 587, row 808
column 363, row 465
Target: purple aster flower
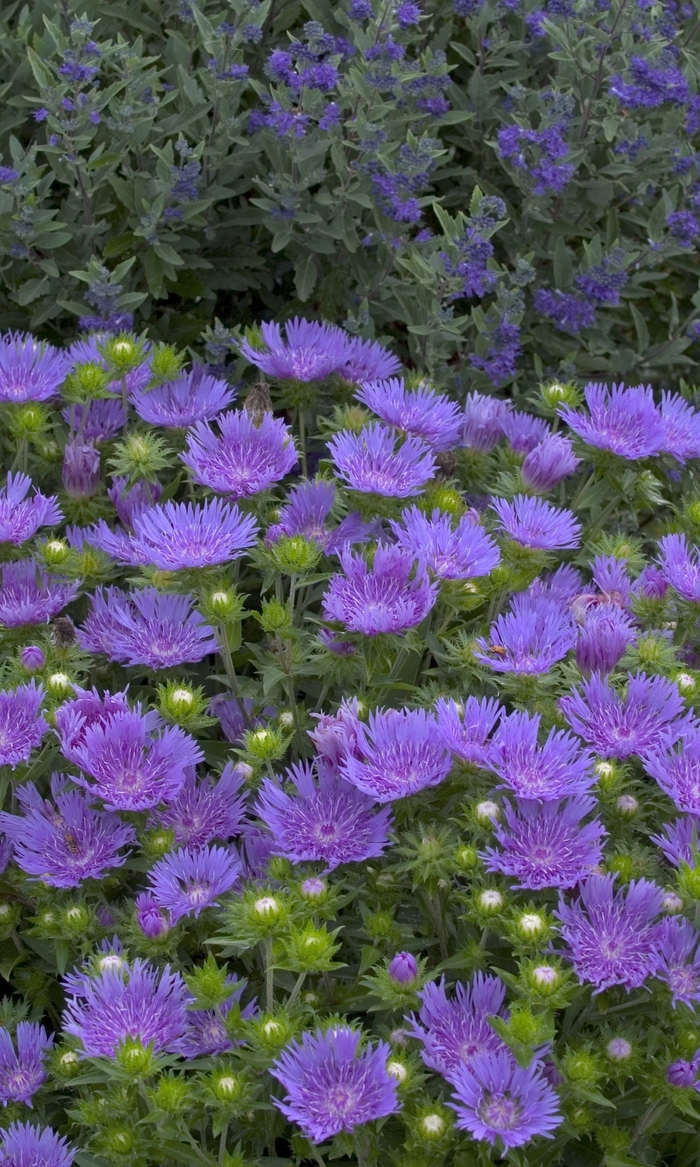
column 603, row 639
column 185, row 882
column 680, row 960
column 22, row 1070
column 146, row 627
column 327, row 820
column 337, row 734
column 73, row 718
column 536, row 633
column 230, row 712
column 624, row 421
column 21, row 517
column 402, row 753
column 496, row 1099
column 245, row 458
column 105, row 419
column 29, row 596
column 544, row 844
column 465, row 552
column 305, row 513
column 421, row 412
column 366, row 360
column 552, row 771
column 137, row 1003
column 129, row 503
column 152, row 922
column 680, row 566
column 611, row 576
column 24, row 1145
column 681, row 425
column 64, row 841
column 206, row 1032
column 29, row 369
column 678, row 772
column 523, row 431
column 549, row 463
column 81, row 469
column 650, row 583
column 534, row 522
column 372, row 462
column 465, row 727
column 564, row 584
column 649, row 716
column 388, row 597
column 650, row 86
column 680, row 840
column 454, row 1032
column 311, row 351
column 179, row 536
column 330, row 1087
column 196, row 396
column 403, row 968
column 483, row 422
column 22, row 723
column 612, row 939
column 202, row 812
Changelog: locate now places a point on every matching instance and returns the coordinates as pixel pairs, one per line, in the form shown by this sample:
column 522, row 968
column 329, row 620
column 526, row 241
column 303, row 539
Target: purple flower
column 105, row 418
column 602, row 283
column 567, row 311
column 152, row 922
column 612, row 939
column 372, row 462
column 21, row 517
column 565, row 584
column 146, row 627
column 552, row 771
column 24, row 1145
column 549, row 172
column 22, row 723
column 311, row 351
column 681, row 427
column 683, row 226
column 495, row 1098
column 129, row 503
column 680, row 566
column 29, row 369
column 65, row 841
column 544, row 844
column 180, row 536
column 401, row 753
column 624, row 421
column 229, row 711
column 455, row 1032
column 329, row 1087
column 327, row 820
column 680, row 840
column 33, row 658
column 403, row 968
column 680, row 960
column 603, row 639
column 22, row 1070
column 121, row 1004
column 549, row 463
column 678, row 772
column 305, row 513
column 337, row 734
column 365, row 360
column 465, row 728
column 185, row 882
column 388, row 597
column 650, row 86
column 611, row 576
column 196, row 396
column 523, row 431
column 534, row 522
column 206, row 1032
column 81, row 469
column 421, row 412
column 483, row 422
column 682, row 1073
column 29, row 596
column 649, row 716
column 534, row 635
column 245, row 459
column 73, row 718
column 202, row 812
column 463, row 553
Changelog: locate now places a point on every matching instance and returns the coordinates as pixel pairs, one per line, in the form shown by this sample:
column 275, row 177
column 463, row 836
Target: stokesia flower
column 105, row 419
column 64, row 841
column 650, row 715
column 206, row 1032
column 544, row 844
column 612, row 939
column 337, row 734
column 244, row 458
column 30, row 596
column 22, row 1070
column 465, row 726
column 680, row 566
column 152, row 922
column 129, row 503
column 326, row 820
column 603, row 639
column 483, row 422
column 73, row 718
column 23, row 1144
column 464, row 552
column 548, row 772
column 22, row 723
column 681, row 427
column 21, row 517
column 146, row 627
column 523, row 431
column 624, row 421
column 372, row 462
column 366, row 360
column 181, row 536
column 454, row 1032
column 678, row 772
column 534, row 522
column 679, row 966
column 195, row 396
column 534, row 635
column 391, row 596
column 421, row 412
column 330, row 1086
column 202, row 812
column 496, row 1099
column 549, row 463
column 126, row 1004
column 185, row 882
column 30, row 370
column 401, row 753
column 679, row 841
column 311, row 351
column 308, row 506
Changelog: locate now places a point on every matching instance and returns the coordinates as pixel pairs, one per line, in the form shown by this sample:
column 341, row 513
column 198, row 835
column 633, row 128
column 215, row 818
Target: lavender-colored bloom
column 680, row 840
column 544, row 845
column 22, row 724
column 402, row 753
column 496, row 1099
column 73, row 718
column 337, row 734
column 22, row 1070
column 328, row 820
column 137, row 1003
column 523, row 431
column 311, row 351
column 129, row 503
column 564, row 584
column 421, row 412
column 610, row 574
column 152, row 922
column 202, row 812
column 567, row 311
column 30, row 596
column 388, row 597
column 24, row 1145
column 612, row 939
column 548, row 171
column 29, row 369
column 185, row 882
column 603, row 639
column 680, row 960
column 650, row 583
column 552, row 771
column 329, row 1087
column 230, row 712
column 650, row 86
column 683, row 226
column 178, row 536
column 649, row 716
column 499, row 364
column 146, row 627
column 462, row 553
column 105, row 419
column 678, row 772
column 680, row 566
column 465, row 728
column 245, row 458
column 483, row 422
column 366, row 360
column 549, row 463
column 196, row 396
column 682, row 1073
column 603, row 282
column 534, row 522
column 403, row 968
column 65, row 841
column 681, row 427
column 624, row 421
column 33, row 658
column 305, row 513
column 206, row 1032
column 21, row 517
column 534, row 635
column 372, row 462
column 454, row 1032
column 81, row 469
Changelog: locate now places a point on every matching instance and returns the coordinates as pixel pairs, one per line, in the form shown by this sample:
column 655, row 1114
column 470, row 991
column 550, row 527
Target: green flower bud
column 166, row 362
column 171, row 1094
column 120, row 1140
column 67, row 1063
column 86, row 383
column 275, row 616
column 686, row 684
column 134, row 1057
column 582, row 1067
column 27, row 421
column 59, row 684
column 208, row 984
column 545, row 978
column 141, row 455
column 490, row 902
column 227, row 1087
column 486, row 813
column 466, row 857
column 55, row 552
column 531, row 925
column 123, row 352
column 310, row 949
column 294, row 555
column 265, row 744
column 76, row 919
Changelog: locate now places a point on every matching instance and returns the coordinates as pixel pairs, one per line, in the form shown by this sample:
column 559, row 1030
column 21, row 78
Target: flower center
column 499, row 1112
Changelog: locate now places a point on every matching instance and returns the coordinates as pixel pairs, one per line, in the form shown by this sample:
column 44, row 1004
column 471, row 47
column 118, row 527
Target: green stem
column 302, row 442
column 225, row 653
column 297, row 989
column 269, row 976
column 222, row 1142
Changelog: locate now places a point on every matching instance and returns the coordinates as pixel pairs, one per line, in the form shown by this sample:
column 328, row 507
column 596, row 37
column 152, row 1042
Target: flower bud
column 81, row 469
column 266, row 908
column 627, row 806
column 619, row 1049
column 398, row 1071
column 59, row 684
column 531, row 925
column 68, row 1062
column 265, row 744
column 32, row 658
column 491, row 901
column 55, row 552
column 275, row 615
column 681, row 1073
column 111, row 960
column 227, row 1087
column 149, row 917
column 466, row 858
column 672, row 904
column 432, row 1126
column 686, row 684
column 314, row 888
column 487, row 812
column 403, row 968
column 286, row 721
column 545, row 977
column 133, row 1057
column 120, row 1140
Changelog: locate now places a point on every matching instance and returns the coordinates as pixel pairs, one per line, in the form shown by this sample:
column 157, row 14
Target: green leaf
column 168, row 254
column 563, row 267
column 305, row 275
